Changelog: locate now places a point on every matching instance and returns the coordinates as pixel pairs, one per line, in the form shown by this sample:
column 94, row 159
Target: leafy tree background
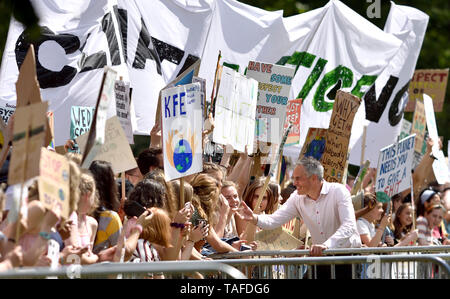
column 435, row 52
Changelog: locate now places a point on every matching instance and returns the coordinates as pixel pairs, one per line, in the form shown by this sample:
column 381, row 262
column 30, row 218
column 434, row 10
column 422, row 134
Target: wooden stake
column 363, row 145
column 181, row 193
column 214, row 85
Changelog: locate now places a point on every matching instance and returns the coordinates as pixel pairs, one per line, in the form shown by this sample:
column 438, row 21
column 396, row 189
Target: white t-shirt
column 365, row 227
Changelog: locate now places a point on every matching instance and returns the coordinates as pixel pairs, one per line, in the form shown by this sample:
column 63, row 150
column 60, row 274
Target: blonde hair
column 86, row 186
column 74, row 183
column 206, row 196
column 158, row 230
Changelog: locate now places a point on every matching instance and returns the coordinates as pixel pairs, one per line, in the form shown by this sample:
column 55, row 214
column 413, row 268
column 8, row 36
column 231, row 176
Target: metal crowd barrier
column 418, row 266
column 170, row 269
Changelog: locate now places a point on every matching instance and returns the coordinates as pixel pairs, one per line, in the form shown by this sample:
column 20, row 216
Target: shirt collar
column 325, row 187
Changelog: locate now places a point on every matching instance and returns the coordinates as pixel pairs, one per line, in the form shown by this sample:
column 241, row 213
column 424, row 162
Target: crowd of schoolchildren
column 148, row 222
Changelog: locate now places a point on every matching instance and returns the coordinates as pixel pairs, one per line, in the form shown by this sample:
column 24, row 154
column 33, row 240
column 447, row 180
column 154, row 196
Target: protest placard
column 394, row 167
column 430, row 82
column 338, row 136
column 28, row 138
column 431, row 123
column 293, row 112
column 293, row 227
column 235, row 108
column 116, row 149
column 181, row 115
column 122, row 92
column 274, row 87
column 6, row 111
column 81, row 119
column 314, row 145
column 405, row 129
column 97, row 135
column 53, row 182
column 27, row 85
column 276, row 239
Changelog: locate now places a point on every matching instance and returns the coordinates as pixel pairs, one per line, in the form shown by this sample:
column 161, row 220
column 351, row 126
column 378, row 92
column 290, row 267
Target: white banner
column 181, row 114
column 234, row 119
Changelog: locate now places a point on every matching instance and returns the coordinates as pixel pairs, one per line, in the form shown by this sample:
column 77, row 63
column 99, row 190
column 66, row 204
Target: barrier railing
column 359, row 267
column 170, row 269
column 336, row 251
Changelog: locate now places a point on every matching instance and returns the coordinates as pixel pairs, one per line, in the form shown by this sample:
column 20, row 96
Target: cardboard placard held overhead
column 394, row 167
column 235, row 108
column 274, row 86
column 314, row 145
column 28, row 138
column 122, row 92
column 430, row 82
column 97, row 133
column 182, row 131
column 53, row 183
column 338, row 137
column 405, row 129
column 293, row 112
column 116, row 149
column 81, row 119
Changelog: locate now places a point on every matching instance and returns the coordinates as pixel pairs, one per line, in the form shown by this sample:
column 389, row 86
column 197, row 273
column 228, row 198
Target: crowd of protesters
column 148, row 222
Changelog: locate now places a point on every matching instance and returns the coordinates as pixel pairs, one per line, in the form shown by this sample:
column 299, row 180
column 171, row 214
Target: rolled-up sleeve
column 347, row 234
column 281, row 216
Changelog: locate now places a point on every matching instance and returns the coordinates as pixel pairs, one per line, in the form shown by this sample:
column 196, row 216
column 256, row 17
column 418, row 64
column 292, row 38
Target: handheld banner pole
column 413, row 208
column 214, row 85
column 249, row 234
column 181, row 193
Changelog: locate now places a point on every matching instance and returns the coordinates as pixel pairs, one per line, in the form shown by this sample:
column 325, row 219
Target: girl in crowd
column 403, row 233
column 205, row 201
column 109, row 224
column 250, row 197
column 427, row 198
column 370, row 236
column 428, row 226
column 226, row 227
column 84, row 227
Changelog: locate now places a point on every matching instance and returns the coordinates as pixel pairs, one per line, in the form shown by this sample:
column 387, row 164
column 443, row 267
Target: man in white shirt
column 326, row 208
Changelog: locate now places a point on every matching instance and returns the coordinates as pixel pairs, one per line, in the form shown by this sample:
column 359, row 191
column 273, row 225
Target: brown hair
column 158, row 230
column 398, row 225
column 370, row 202
column 170, row 201
column 188, row 193
column 250, row 190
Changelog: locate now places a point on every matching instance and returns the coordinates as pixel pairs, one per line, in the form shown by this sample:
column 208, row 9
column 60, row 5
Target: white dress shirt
column 330, row 219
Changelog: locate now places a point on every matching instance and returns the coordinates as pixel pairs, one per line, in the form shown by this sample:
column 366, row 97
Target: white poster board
column 122, row 92
column 274, row 86
column 235, row 109
column 181, row 114
column 394, row 167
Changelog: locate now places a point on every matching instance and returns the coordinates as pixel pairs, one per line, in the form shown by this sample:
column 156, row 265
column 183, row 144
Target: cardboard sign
column 440, row 169
column 181, row 115
column 274, row 87
column 419, row 125
column 122, row 91
column 338, row 136
column 54, row 177
column 116, row 149
column 405, row 129
column 293, row 112
column 235, row 108
column 28, row 138
column 431, row 123
column 293, row 227
column 27, row 85
column 430, row 82
column 276, row 239
column 6, row 112
column 81, row 119
column 97, row 135
column 314, row 145
column 394, row 167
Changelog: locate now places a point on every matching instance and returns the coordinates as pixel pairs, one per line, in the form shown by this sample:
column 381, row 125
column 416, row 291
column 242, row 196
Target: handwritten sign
column 276, row 239
column 181, row 114
column 122, row 92
column 235, row 108
column 97, row 135
column 81, row 119
column 53, row 182
column 405, row 128
column 293, row 112
column 430, row 82
column 28, row 138
column 116, row 149
column 394, row 167
column 338, row 136
column 274, row 84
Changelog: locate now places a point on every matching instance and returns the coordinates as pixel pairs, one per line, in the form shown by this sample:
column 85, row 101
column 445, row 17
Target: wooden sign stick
column 181, row 193
column 211, row 108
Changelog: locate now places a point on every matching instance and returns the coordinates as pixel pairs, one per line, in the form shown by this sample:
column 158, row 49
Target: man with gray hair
column 326, row 208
